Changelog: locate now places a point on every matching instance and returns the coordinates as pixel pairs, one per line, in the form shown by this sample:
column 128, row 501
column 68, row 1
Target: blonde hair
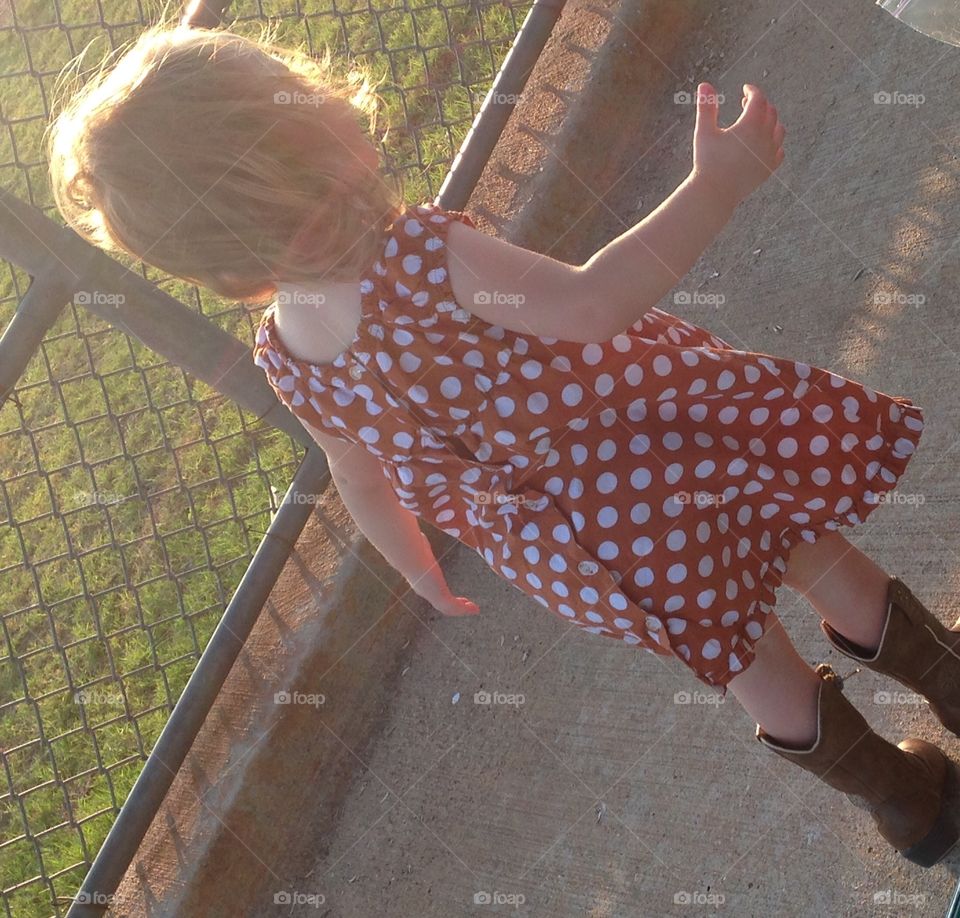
column 227, row 161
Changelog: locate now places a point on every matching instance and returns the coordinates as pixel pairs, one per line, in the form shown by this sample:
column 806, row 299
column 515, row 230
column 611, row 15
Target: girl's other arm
column 392, row 529
column 630, row 275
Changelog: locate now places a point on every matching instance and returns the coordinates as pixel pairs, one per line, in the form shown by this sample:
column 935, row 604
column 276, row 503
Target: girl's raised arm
column 531, row 293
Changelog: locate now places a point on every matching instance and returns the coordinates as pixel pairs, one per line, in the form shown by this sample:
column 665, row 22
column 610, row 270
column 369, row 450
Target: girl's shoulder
column 412, row 273
column 426, row 220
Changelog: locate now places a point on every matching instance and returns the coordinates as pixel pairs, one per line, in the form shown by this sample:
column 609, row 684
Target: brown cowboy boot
column 902, row 787
column 916, row 649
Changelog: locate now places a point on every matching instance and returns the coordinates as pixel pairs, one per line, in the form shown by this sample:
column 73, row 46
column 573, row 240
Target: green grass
column 133, row 496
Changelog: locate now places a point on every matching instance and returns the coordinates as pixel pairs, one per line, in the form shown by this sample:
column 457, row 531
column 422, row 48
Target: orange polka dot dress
column 647, row 488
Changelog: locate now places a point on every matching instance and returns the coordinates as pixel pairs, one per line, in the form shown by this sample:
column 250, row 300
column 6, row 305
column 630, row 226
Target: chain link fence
column 133, row 496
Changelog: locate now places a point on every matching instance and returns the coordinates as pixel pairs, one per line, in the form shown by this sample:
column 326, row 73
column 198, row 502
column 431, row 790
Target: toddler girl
column 633, row 473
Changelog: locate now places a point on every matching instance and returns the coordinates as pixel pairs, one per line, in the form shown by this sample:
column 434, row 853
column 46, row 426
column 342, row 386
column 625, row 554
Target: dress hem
column 895, row 462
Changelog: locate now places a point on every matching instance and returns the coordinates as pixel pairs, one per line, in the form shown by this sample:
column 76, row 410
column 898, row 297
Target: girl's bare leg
column 843, row 585
column 779, row 690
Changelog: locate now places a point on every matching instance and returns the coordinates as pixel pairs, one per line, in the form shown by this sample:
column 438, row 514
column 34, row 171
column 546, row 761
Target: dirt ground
column 589, row 787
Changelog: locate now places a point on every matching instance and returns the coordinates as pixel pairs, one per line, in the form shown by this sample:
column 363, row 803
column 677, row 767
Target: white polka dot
column 608, row 550
column 537, row 403
column 607, row 517
column 643, row 577
column 705, row 468
column 711, row 649
column 667, row 411
column 819, row 445
column 642, row 546
column 592, row 354
column 787, row 447
column 603, row 385
column 705, row 598
column 606, row 483
column 737, row 466
column 450, row 387
column 673, row 473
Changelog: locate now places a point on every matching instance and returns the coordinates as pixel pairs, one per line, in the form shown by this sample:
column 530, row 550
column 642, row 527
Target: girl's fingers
column 708, row 108
column 458, row 605
column 755, row 110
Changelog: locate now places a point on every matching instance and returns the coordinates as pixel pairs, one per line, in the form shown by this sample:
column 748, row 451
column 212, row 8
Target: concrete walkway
column 599, row 795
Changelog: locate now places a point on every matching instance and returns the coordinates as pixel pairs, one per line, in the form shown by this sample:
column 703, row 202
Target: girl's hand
column 735, row 161
column 455, row 605
column 437, row 593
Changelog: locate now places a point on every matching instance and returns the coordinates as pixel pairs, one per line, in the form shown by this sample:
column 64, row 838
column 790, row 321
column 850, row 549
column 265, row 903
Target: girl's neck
column 321, row 319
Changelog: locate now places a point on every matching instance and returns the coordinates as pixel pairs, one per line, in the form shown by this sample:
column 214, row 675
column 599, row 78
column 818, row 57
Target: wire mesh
column 132, row 496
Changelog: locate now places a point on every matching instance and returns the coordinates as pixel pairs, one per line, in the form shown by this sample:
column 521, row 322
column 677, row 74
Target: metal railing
column 136, row 440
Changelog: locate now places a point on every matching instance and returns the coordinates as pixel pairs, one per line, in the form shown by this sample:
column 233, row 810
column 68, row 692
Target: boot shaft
column 900, row 786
